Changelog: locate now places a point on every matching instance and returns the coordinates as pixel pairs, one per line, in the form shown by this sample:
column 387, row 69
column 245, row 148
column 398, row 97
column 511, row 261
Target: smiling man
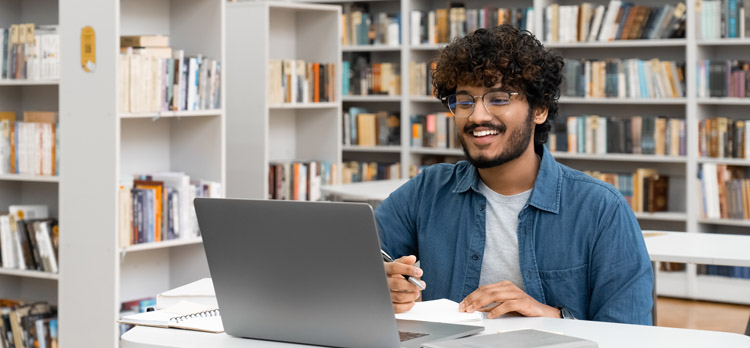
column 510, row 229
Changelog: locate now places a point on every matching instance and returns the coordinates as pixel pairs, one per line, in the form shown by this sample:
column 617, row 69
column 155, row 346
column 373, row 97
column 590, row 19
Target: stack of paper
column 201, row 292
column 442, row 311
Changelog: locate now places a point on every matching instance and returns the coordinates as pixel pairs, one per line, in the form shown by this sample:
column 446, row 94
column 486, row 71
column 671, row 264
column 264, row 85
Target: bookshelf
column 684, row 214
column 19, row 95
column 107, row 147
column 260, row 133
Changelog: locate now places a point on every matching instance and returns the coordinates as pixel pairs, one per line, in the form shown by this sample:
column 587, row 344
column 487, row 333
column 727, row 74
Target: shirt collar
column 547, row 187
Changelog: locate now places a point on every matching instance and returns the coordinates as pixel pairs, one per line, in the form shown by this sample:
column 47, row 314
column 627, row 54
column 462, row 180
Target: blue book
column 642, row 80
column 732, row 15
column 345, row 78
column 581, row 136
column 149, row 214
column 625, row 7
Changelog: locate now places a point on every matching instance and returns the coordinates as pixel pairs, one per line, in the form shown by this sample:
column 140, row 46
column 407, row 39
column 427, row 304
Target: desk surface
column 364, row 191
column 702, row 248
column 607, row 335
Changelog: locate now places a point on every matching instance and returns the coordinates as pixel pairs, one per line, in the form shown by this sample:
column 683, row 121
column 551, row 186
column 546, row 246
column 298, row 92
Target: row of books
column 624, row 78
column 723, row 78
column 152, row 77
column 725, row 271
column 134, row 307
column 620, row 21
column 354, row 171
column 436, row 130
column 296, row 81
column 31, row 146
column 363, row 28
column 645, row 190
column 28, row 325
column 364, row 78
column 420, row 78
column 158, row 207
column 443, row 24
column 725, row 192
column 30, row 52
column 592, row 134
column 721, row 137
column 150, row 84
column 29, row 239
column 363, row 128
column 300, row 181
column 722, row 19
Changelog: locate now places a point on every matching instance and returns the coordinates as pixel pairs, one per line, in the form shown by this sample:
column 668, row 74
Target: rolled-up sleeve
column 621, row 278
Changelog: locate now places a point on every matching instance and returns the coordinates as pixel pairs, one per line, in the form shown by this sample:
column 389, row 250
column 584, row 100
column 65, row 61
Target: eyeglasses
column 462, row 104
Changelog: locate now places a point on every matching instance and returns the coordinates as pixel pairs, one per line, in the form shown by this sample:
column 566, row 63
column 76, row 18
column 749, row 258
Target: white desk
column 363, row 191
column 607, row 335
column 701, row 248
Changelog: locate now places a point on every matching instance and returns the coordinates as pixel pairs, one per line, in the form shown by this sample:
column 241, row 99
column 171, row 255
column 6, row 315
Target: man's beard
column 517, row 143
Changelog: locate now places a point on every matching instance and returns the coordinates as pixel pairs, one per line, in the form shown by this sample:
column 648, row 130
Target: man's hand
column 403, row 293
column 507, row 297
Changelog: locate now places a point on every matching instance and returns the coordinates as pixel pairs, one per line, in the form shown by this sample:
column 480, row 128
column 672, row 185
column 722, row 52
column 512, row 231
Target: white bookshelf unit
column 19, row 96
column 108, row 148
column 684, row 212
column 259, row 133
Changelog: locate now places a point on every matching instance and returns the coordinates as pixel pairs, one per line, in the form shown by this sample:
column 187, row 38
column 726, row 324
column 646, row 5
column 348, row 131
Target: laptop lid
column 303, row 272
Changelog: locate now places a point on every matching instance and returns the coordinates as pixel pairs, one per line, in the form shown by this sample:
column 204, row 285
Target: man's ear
column 540, row 115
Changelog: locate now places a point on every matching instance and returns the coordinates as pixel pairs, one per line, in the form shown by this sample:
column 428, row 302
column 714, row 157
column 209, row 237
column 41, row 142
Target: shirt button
column 481, row 207
column 475, row 257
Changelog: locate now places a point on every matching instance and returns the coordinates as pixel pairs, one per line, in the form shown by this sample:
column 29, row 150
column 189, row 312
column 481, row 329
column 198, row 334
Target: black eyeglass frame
column 444, row 100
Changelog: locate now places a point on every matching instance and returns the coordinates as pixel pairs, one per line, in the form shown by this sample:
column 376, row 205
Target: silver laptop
column 305, row 272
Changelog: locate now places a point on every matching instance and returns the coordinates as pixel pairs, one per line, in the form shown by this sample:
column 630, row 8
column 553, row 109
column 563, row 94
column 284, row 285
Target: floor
column 702, row 315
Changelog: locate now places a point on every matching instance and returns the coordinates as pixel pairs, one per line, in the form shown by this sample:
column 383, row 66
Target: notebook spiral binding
column 202, row 314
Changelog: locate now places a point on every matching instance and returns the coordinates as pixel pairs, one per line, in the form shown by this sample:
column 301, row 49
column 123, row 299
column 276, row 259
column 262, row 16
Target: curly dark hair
column 504, row 54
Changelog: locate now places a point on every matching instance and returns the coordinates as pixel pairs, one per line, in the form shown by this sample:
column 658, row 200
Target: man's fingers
column 401, row 268
column 398, row 283
column 504, row 308
column 487, row 294
column 402, row 307
column 404, row 297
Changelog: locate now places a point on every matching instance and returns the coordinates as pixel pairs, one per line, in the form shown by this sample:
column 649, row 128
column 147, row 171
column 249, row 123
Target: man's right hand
column 403, row 293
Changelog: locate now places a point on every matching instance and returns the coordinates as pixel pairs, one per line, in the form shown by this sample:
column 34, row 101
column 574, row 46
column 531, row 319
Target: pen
column 387, row 258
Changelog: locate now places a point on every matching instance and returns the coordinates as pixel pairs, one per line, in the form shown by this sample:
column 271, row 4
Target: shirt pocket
column 567, row 288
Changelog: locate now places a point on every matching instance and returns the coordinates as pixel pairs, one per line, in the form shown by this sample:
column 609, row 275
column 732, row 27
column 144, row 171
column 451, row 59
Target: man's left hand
column 507, row 297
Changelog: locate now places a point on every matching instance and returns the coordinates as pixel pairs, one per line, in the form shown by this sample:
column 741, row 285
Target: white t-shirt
column 500, row 260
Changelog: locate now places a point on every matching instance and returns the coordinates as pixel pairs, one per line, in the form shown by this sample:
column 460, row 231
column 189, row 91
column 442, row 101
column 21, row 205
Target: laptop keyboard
column 405, row 336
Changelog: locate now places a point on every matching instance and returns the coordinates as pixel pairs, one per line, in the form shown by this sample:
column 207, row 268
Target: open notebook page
column 443, row 311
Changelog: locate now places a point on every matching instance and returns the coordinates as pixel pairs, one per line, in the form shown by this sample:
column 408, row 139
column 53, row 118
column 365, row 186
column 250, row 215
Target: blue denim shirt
column 580, row 246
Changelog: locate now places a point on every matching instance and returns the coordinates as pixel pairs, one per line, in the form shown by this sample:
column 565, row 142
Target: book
column 182, row 315
column 144, row 41
column 200, row 292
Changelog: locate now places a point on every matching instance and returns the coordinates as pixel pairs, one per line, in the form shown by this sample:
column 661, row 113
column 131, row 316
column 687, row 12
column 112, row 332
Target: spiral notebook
column 183, row 315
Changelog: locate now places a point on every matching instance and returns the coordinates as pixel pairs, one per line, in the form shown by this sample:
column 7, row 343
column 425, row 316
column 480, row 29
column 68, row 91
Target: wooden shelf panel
column 160, row 245
column 620, row 157
column 29, row 178
column 29, row 274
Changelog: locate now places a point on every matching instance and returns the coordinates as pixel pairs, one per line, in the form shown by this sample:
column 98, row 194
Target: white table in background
column 375, row 191
column 607, row 335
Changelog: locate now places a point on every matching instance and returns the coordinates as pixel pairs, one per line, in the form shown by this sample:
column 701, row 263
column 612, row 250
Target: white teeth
column 484, row 133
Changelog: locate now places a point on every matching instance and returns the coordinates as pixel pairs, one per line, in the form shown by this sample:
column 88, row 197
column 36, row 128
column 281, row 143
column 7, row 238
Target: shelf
column 436, row 151
column 664, row 216
column 621, row 101
column 620, row 157
column 160, row 245
column 28, row 178
column 724, row 101
column 160, row 114
column 428, row 47
column 29, row 82
column 29, row 274
column 725, row 222
column 371, row 98
column 371, row 48
column 727, row 161
column 723, row 42
column 619, row 43
column 357, row 148
column 304, row 106
column 424, row 99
